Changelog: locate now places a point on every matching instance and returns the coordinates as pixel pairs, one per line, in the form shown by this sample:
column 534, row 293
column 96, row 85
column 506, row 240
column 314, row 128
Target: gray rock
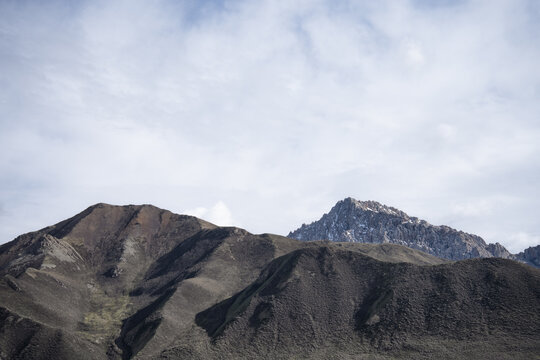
column 530, row 256
column 351, row 220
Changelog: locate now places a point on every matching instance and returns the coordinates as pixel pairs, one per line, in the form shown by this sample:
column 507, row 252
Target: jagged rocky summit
column 351, row 220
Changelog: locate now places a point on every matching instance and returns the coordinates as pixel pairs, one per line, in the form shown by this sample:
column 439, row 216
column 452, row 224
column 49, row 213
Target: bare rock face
column 530, row 256
column 371, row 222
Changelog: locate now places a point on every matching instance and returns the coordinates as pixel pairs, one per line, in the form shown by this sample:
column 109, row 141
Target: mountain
column 115, row 280
column 530, row 256
column 351, row 220
column 328, row 303
column 123, row 282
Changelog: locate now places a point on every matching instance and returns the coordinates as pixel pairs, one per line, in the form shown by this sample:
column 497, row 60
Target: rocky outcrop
column 371, row 222
column 530, row 256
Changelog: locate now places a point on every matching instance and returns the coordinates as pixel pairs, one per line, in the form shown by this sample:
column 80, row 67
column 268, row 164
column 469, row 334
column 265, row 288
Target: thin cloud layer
column 277, row 109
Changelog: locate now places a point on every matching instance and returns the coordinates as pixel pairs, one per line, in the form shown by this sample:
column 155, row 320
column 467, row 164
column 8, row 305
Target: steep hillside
column 120, row 281
column 75, row 277
column 329, row 303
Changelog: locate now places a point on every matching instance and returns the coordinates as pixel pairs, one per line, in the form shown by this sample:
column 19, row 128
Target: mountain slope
column 75, row 276
column 351, row 220
column 325, row 302
column 123, row 282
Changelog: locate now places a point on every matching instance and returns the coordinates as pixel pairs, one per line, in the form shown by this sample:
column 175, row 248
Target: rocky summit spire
column 351, row 220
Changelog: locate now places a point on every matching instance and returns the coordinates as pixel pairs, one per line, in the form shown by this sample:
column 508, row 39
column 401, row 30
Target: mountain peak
column 373, row 206
column 351, row 220
column 110, row 235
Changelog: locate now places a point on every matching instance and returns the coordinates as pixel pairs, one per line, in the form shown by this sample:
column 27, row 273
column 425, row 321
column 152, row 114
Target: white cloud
column 482, row 207
column 414, row 54
column 218, row 214
column 278, row 109
column 447, row 131
column 521, row 240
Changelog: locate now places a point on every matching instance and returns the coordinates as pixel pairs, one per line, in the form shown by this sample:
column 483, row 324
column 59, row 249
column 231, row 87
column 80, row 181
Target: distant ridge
column 351, row 220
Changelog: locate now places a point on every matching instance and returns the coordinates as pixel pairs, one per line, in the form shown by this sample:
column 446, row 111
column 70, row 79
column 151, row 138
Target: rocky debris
column 113, row 272
column 12, row 283
column 351, row 220
column 60, row 250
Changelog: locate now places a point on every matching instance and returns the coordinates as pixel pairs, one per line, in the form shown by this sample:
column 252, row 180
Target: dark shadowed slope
column 329, row 303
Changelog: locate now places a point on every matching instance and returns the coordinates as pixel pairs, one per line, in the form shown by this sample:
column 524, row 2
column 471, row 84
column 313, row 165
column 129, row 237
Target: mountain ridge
column 351, row 220
column 139, row 282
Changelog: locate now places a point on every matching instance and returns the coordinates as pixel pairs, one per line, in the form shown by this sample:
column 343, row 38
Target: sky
column 264, row 114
